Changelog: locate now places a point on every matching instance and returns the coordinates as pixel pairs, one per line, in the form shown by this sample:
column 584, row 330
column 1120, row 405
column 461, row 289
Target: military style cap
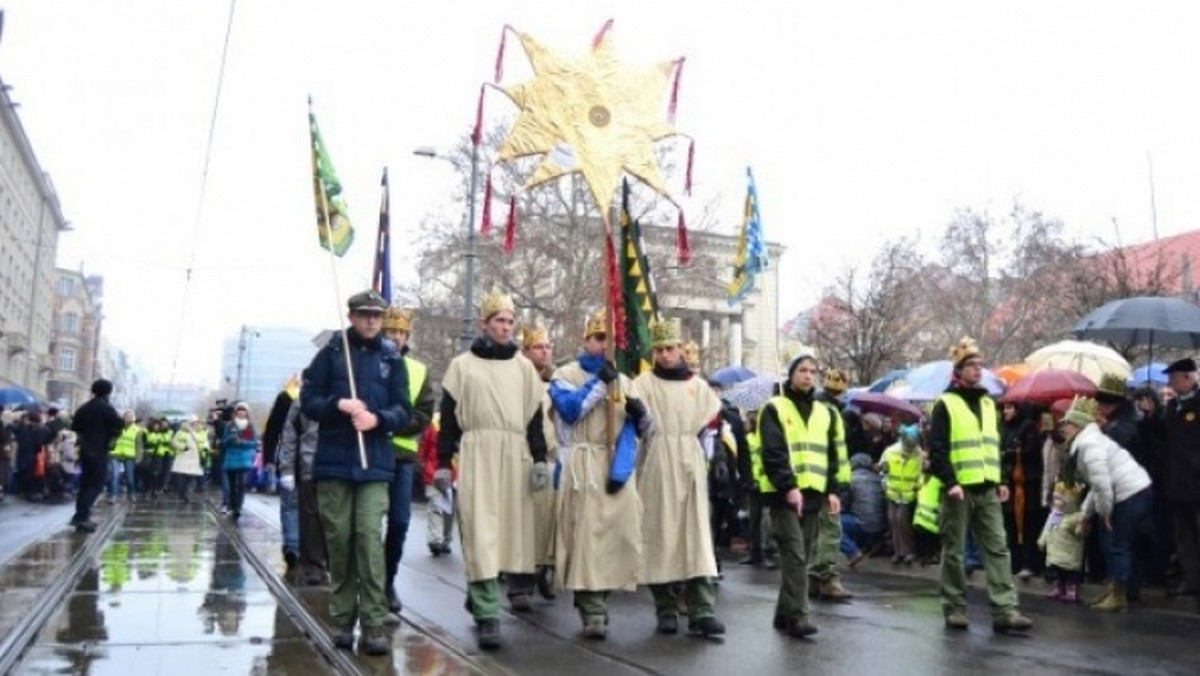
column 367, row 301
column 1186, row 365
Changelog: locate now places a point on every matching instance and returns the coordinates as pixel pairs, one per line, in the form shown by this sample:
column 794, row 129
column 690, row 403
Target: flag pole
column 327, row 225
column 610, row 349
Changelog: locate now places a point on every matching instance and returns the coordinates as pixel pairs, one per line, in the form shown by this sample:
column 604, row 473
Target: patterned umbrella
column 750, row 395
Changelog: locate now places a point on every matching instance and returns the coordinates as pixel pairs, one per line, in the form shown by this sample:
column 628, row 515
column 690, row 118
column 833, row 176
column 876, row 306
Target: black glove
column 634, row 408
column 612, row 487
column 607, row 373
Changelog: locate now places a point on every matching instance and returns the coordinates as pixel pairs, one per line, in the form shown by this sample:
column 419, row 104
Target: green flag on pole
column 333, row 220
column 638, row 295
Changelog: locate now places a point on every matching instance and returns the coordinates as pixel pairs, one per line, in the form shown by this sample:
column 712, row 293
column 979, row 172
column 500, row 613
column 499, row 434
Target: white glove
column 539, row 478
column 287, row 482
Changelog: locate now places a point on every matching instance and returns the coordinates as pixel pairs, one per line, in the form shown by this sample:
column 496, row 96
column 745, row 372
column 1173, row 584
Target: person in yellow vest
column 760, row 549
column 599, row 536
column 964, row 454
column 902, row 463
column 159, row 454
column 672, row 481
column 537, row 348
column 397, row 327
column 491, row 414
column 823, row 566
column 798, row 478
column 129, row 447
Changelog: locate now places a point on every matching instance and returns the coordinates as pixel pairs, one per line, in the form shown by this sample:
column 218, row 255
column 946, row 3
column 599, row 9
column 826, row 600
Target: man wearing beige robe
column 491, row 415
column 537, row 348
column 599, row 537
column 672, row 481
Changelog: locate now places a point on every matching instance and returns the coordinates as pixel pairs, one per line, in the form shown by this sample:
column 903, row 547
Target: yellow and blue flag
column 752, row 256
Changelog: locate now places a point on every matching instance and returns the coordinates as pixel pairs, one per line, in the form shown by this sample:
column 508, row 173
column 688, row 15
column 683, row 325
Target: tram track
column 21, row 636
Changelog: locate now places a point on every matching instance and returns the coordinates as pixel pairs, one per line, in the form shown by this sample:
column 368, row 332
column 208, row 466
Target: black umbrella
column 1144, row 320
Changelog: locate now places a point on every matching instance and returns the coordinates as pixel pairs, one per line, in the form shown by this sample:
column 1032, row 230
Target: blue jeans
column 854, row 536
column 399, row 514
column 1128, row 517
column 121, row 471
column 289, row 520
column 972, row 560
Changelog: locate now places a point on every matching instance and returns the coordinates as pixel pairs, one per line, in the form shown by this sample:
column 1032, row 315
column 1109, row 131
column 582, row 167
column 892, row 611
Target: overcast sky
column 861, row 120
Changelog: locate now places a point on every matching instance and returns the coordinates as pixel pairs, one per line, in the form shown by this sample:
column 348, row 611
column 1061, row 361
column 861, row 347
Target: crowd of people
column 571, row 476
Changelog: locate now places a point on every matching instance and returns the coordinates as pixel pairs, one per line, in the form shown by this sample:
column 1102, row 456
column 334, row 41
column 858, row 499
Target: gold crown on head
column 534, row 334
column 495, row 302
column 596, row 323
column 1082, row 411
column 691, row 354
column 837, row 380
column 1069, row 491
column 1111, row 384
column 665, row 332
column 964, row 350
column 398, row 319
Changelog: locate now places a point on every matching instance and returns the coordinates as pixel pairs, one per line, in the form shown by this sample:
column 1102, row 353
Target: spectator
column 863, row 514
column 241, row 444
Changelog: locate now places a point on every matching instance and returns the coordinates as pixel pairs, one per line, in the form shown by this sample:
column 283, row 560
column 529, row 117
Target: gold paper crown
column 965, row 349
column 398, row 319
column 665, row 332
column 1070, row 491
column 691, row 354
column 1082, row 411
column 494, row 302
column 597, row 323
column 837, row 380
column 1112, row 385
column 534, row 334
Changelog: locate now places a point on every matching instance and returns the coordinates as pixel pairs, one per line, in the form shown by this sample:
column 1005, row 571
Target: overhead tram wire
column 191, row 264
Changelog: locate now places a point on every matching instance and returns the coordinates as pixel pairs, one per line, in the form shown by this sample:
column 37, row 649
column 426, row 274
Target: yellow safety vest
column 754, row 443
column 974, row 448
column 928, row 514
column 808, row 445
column 159, row 444
column 416, row 379
column 839, row 438
column 903, row 473
column 125, row 447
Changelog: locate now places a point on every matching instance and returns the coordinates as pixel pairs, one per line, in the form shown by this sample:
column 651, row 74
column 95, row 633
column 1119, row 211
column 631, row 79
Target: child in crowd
column 1063, row 541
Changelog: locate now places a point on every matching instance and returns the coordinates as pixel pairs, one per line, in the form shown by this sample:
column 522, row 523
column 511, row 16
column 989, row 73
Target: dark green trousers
column 699, row 592
column 352, row 518
column 796, row 537
column 484, row 599
column 980, row 511
column 824, row 553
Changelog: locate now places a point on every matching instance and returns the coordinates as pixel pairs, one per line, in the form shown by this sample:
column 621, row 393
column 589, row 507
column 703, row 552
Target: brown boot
column 832, row 590
column 1116, row 602
column 957, row 619
column 1104, row 594
column 1011, row 621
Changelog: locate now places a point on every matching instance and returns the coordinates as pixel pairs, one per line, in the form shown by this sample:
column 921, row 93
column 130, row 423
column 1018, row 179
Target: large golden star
column 590, row 115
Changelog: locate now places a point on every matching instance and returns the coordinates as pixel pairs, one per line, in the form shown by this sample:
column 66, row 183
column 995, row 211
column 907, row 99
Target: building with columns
column 31, row 221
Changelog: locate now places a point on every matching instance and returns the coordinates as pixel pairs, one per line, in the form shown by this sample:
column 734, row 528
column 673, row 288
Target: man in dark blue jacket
column 354, row 463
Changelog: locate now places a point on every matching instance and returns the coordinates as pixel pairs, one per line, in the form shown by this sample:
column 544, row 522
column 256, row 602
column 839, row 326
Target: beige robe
column 187, row 445
column 496, row 399
column 672, row 480
column 545, row 503
column 599, row 536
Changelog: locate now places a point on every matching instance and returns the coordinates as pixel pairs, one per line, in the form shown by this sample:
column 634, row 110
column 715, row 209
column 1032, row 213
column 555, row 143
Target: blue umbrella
column 927, row 381
column 732, row 375
column 886, row 381
column 17, row 396
column 1149, row 374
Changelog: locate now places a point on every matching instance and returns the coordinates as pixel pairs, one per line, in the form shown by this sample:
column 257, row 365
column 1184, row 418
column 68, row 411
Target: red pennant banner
column 510, row 229
column 485, row 227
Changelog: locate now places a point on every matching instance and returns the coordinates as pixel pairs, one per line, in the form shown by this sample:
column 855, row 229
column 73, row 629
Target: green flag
column 633, row 355
column 336, row 235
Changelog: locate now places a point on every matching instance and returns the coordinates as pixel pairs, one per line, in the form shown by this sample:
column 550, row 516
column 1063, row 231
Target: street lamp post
column 468, row 330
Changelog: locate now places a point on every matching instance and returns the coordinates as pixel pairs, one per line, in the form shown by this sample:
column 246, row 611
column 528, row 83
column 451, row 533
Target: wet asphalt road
column 170, row 593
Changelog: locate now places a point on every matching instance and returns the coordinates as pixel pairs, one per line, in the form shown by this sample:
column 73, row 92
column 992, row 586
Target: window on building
column 66, row 359
column 66, row 286
column 70, row 324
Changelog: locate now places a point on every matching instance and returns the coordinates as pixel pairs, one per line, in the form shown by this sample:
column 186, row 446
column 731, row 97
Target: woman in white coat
column 191, row 445
column 1118, row 493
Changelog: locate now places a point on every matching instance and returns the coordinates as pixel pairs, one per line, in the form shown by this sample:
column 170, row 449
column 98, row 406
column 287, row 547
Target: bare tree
column 870, row 319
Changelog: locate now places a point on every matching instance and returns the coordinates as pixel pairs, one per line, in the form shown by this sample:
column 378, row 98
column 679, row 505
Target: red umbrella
column 885, row 405
column 1050, row 385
